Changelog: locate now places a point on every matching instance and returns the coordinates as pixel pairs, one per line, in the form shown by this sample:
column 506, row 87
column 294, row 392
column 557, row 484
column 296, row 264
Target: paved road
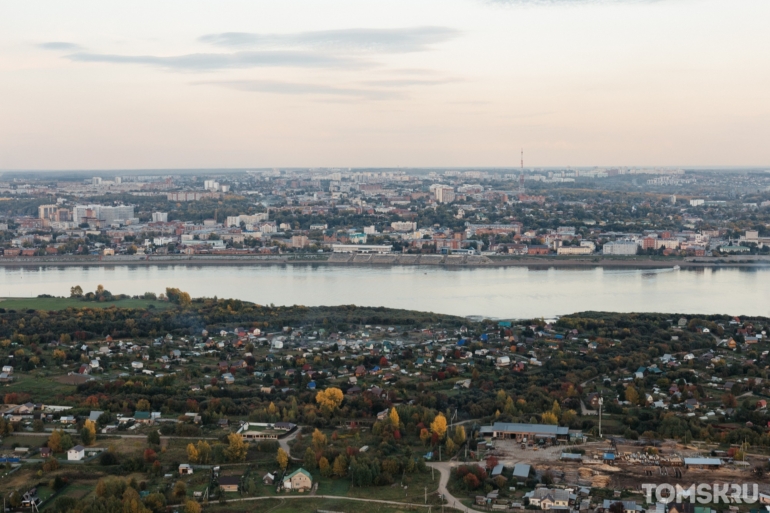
column 445, row 469
column 284, row 442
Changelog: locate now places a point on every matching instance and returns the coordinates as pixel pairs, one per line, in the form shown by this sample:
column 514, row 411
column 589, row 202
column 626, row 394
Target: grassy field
column 42, row 388
column 60, row 303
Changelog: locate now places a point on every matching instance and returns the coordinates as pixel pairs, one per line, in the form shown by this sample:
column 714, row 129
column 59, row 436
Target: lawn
column 61, row 303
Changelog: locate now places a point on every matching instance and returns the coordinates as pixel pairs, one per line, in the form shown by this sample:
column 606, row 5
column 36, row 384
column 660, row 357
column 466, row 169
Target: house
column 268, row 478
column 546, row 498
column 45, row 452
column 503, row 361
column 229, row 483
column 143, row 417
column 77, row 453
column 383, row 414
column 7, row 369
column 299, row 480
column 185, row 469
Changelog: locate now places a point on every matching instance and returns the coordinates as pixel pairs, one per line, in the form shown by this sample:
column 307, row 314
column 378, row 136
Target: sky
column 383, row 83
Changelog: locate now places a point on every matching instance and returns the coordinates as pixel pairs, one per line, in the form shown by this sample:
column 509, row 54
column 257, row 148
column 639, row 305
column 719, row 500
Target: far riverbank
column 450, row 261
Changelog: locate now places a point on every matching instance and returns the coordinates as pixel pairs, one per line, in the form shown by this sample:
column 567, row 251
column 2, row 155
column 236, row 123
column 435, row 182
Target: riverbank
column 449, row 261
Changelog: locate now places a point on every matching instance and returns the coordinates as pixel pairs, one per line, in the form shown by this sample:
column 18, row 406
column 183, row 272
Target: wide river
column 513, row 292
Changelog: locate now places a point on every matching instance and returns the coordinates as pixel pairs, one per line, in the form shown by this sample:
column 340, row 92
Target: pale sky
column 363, row 83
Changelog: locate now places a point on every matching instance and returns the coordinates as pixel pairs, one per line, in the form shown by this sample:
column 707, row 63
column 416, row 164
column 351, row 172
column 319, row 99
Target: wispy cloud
column 59, row 45
column 397, row 40
column 406, row 82
column 216, row 61
column 305, row 89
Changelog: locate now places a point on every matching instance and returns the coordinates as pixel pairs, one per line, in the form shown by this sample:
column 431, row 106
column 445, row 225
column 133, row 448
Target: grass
column 310, row 505
column 43, row 389
column 61, row 303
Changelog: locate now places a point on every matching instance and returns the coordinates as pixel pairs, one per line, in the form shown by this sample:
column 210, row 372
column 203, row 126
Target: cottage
column 299, row 480
column 546, row 498
column 77, row 453
column 185, row 469
column 229, row 483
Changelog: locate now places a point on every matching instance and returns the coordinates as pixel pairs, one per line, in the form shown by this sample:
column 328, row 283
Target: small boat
column 676, row 267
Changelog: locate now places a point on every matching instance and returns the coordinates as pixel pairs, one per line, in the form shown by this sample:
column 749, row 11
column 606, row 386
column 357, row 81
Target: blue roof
column 609, row 456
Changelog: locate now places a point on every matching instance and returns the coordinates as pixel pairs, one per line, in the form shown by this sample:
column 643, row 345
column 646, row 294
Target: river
column 514, row 292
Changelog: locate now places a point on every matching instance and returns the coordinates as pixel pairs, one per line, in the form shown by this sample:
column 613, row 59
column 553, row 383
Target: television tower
column 521, row 175
column 522, row 160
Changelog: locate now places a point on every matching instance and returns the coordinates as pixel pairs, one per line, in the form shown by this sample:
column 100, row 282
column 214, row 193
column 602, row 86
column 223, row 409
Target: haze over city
column 94, row 85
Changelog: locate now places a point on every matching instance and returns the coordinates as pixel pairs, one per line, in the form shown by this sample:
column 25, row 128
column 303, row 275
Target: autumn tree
column 282, row 458
column 323, row 466
column 340, row 468
column 192, row 453
column 204, row 451
column 460, row 436
column 236, row 449
column 438, row 426
column 394, row 419
column 632, row 396
column 143, row 405
column 192, row 507
column 549, row 418
column 319, row 439
column 329, row 399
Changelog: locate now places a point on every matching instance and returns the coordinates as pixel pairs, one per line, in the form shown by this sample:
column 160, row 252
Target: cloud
column 295, row 88
column 397, row 40
column 405, row 82
column 59, row 45
column 215, row 61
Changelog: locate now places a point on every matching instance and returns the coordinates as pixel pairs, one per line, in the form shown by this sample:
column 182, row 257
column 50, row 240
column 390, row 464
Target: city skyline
column 384, row 84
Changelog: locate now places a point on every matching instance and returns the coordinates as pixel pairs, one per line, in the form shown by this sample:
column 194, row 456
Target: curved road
column 445, row 470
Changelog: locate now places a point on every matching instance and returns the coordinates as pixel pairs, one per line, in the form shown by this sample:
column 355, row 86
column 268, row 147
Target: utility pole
column 601, row 403
column 426, row 495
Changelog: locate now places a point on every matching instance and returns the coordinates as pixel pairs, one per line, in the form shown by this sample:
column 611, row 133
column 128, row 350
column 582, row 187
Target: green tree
column 309, row 461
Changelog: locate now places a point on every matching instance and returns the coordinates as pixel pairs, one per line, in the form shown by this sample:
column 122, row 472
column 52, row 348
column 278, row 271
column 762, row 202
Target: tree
column 86, row 436
column 58, row 354
column 632, row 396
column 150, row 456
column 323, row 466
column 192, row 453
column 309, row 460
column 180, row 489
column 438, row 426
column 143, row 405
column 192, row 507
column 556, row 409
column 76, row 291
column 54, row 441
column 236, row 449
column 282, row 458
column 329, row 399
column 204, row 451
column 91, row 426
column 153, row 438
column 178, row 297
column 340, row 468
column 424, row 435
column 460, row 436
column 549, row 418
column 319, row 439
column 394, row 419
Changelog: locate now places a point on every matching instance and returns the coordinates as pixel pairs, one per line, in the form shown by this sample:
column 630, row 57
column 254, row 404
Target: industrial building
column 527, row 432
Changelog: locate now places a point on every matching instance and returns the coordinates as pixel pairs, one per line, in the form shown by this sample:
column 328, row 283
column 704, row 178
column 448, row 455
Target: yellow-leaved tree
column 282, row 458
column 329, row 399
column 438, row 425
column 394, row 419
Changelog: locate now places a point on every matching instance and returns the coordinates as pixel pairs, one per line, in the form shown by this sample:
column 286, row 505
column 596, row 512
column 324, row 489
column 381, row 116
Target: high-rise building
column 106, row 215
column 47, row 211
column 160, row 217
column 445, row 194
